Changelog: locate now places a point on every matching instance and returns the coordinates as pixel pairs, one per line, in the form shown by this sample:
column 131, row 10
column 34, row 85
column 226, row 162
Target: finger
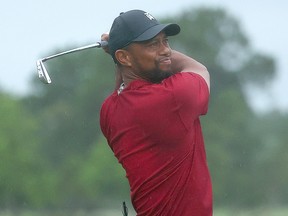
column 105, row 36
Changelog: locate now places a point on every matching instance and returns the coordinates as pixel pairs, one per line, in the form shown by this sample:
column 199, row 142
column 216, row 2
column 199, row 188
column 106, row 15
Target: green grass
column 252, row 212
column 217, row 212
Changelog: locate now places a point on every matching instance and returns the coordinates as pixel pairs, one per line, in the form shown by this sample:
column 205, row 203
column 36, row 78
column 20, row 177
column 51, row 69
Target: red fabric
column 155, row 133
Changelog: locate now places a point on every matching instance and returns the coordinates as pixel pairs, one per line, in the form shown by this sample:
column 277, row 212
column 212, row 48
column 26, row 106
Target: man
column 151, row 121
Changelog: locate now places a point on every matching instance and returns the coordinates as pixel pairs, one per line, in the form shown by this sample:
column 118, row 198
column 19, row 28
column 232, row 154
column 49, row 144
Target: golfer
column 151, row 120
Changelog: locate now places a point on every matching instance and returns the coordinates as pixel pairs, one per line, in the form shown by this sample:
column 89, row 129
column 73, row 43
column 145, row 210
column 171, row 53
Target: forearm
column 118, row 74
column 184, row 63
column 118, row 77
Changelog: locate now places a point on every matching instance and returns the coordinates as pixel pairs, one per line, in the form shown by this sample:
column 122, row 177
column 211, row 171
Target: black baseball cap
column 136, row 25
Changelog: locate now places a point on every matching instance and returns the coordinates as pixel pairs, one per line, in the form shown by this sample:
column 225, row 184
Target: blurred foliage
column 22, row 170
column 53, row 154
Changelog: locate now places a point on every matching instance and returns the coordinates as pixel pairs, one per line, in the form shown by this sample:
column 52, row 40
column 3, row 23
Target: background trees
column 54, row 155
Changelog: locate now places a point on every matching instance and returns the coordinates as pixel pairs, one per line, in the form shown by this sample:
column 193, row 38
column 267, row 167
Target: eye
column 154, row 44
column 166, row 42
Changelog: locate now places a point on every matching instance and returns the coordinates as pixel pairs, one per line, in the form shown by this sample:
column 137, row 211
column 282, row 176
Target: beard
column 158, row 76
column 154, row 75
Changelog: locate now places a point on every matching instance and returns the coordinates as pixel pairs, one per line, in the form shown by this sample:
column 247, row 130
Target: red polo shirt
column 155, row 133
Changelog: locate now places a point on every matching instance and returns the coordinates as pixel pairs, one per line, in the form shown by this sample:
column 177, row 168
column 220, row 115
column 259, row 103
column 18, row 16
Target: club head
column 42, row 72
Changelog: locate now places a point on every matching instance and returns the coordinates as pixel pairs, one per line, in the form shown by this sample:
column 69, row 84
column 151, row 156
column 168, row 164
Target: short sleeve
column 191, row 94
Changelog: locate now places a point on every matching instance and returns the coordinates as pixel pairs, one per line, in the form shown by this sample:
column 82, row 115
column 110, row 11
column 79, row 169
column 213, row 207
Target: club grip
column 103, row 43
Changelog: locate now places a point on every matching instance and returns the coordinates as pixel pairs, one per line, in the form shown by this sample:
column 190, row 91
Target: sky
column 31, row 29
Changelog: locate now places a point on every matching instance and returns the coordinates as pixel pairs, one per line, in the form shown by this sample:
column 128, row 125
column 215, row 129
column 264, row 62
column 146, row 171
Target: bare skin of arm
column 183, row 63
column 118, row 75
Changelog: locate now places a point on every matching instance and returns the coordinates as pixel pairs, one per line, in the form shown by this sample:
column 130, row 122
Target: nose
column 165, row 48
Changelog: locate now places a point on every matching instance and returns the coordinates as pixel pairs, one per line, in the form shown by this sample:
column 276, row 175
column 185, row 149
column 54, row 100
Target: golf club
column 42, row 71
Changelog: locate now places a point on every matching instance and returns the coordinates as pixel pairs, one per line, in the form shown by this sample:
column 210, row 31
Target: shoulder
column 107, row 105
column 186, row 81
column 105, row 111
column 190, row 89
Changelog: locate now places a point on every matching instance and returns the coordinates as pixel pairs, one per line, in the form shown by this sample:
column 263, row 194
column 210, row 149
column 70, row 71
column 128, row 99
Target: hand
column 105, row 37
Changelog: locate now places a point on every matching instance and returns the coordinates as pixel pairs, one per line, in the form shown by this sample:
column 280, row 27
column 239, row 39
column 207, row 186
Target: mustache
column 164, row 59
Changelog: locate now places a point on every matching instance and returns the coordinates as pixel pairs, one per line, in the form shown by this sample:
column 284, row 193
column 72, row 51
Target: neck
column 128, row 76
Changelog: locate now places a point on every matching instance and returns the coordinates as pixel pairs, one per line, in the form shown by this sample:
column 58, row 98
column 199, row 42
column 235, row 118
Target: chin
column 160, row 76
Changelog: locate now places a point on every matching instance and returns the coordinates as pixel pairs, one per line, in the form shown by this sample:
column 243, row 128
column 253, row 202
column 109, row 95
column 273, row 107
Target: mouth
column 165, row 61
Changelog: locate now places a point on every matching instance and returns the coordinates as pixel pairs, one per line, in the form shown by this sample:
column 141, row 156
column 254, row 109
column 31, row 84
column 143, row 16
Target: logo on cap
column 149, row 16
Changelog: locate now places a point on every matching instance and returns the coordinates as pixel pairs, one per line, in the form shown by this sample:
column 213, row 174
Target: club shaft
column 98, row 45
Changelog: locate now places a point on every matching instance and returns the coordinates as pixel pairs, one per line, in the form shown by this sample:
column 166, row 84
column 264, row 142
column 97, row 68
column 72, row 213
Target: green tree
column 102, row 175
column 69, row 107
column 21, row 169
column 68, row 112
column 272, row 158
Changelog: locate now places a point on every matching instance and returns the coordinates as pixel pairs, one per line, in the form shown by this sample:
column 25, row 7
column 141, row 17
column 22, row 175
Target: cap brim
column 169, row 29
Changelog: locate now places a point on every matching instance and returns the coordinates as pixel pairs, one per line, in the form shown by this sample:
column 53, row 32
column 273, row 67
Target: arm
column 118, row 76
column 183, row 63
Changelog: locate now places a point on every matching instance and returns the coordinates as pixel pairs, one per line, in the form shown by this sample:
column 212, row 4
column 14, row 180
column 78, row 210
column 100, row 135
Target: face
column 150, row 60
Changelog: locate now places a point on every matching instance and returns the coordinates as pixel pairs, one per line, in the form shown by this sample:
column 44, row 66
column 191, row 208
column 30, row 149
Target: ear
column 123, row 57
